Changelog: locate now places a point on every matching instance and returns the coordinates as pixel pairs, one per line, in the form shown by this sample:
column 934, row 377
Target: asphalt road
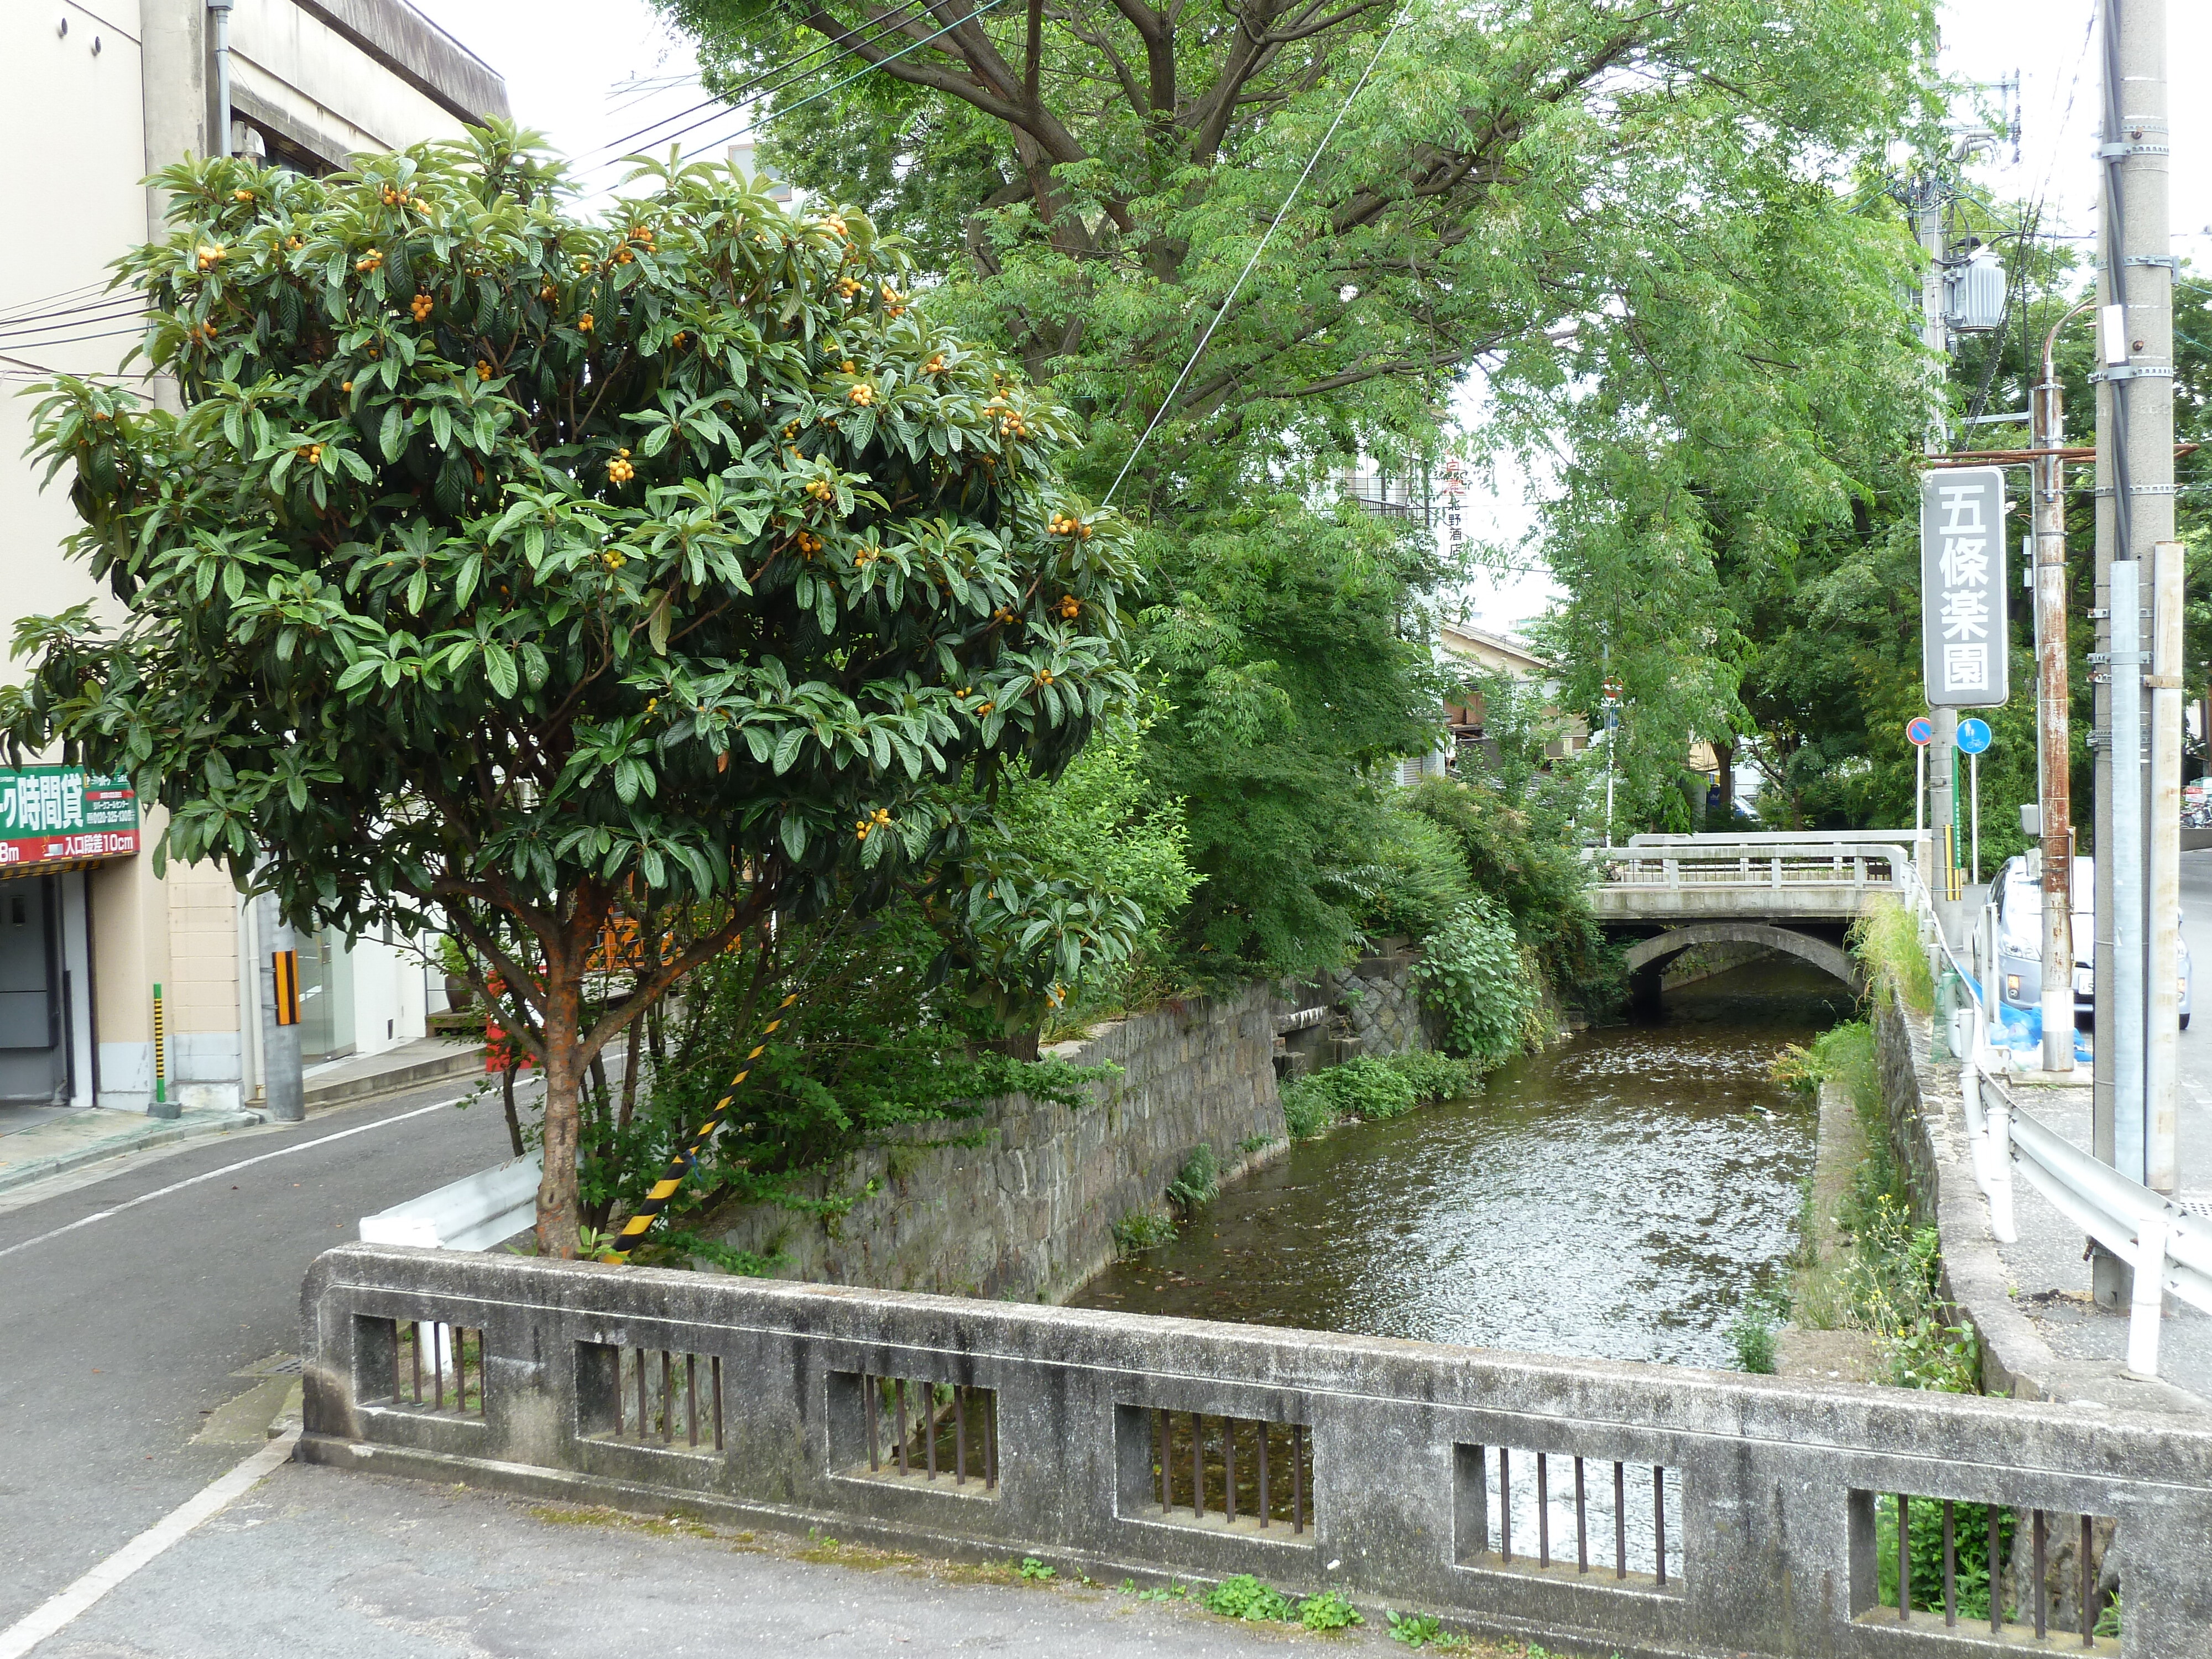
column 118, row 1337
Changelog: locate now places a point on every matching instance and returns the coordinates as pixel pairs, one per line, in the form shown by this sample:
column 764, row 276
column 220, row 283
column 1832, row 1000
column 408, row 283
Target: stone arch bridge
column 1792, row 893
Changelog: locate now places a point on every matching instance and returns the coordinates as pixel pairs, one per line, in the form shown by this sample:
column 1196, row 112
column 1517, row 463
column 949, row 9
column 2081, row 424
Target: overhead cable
column 1312, row 161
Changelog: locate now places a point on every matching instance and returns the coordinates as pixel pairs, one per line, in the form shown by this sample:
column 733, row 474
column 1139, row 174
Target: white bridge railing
column 1746, row 866
column 2169, row 1249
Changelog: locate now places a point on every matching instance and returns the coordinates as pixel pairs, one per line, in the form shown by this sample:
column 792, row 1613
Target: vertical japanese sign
column 59, row 814
column 1964, row 643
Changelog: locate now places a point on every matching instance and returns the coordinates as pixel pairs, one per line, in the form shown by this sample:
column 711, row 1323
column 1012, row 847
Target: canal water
column 1616, row 1197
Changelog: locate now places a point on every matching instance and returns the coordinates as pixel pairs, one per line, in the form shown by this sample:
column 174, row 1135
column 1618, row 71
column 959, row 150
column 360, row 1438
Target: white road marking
column 230, row 1169
column 59, row 1610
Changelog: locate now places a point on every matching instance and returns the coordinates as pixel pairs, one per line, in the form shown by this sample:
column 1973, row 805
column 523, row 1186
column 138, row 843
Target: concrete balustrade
column 1773, row 1488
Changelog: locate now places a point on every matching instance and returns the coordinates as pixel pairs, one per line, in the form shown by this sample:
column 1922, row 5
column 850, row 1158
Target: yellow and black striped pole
column 161, row 1050
column 641, row 1221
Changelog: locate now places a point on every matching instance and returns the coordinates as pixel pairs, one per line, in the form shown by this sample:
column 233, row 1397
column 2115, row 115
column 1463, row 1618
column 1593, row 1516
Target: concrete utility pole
column 283, row 1083
column 1943, row 763
column 2053, row 720
column 2135, row 512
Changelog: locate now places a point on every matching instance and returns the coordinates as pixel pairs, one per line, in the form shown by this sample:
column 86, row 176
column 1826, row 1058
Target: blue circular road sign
column 1920, row 730
column 1973, row 736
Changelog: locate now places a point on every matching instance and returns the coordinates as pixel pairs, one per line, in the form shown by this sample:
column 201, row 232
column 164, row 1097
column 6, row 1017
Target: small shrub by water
column 1886, row 941
column 1361, row 1088
column 1141, row 1229
column 1198, row 1180
column 1474, row 973
column 1435, row 1077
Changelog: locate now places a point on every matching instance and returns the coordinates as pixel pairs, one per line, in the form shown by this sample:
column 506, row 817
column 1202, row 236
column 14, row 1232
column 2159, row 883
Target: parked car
column 2020, row 941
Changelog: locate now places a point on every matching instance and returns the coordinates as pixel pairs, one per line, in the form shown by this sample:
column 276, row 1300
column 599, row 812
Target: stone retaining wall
column 1028, row 1212
column 1381, row 1005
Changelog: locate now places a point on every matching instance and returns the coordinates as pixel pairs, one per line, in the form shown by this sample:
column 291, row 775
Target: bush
column 1306, row 1111
column 1245, row 1597
column 1435, row 1077
column 1140, row 1229
column 1419, row 878
column 1361, row 1088
column 1473, row 974
column 1886, row 941
column 1198, row 1180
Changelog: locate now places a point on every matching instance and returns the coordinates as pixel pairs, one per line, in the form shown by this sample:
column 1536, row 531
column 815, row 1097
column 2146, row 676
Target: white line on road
column 57, row 1611
column 228, row 1169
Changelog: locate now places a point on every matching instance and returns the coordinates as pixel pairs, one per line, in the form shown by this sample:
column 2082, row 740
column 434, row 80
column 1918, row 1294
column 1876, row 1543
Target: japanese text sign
column 1964, row 642
column 56, row 814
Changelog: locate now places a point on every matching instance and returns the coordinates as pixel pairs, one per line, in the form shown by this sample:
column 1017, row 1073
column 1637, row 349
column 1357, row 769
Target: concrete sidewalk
column 37, row 1142
column 362, row 1566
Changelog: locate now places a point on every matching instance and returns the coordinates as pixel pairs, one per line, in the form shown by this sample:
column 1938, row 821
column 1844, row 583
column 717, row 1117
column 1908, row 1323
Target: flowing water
column 1616, row 1197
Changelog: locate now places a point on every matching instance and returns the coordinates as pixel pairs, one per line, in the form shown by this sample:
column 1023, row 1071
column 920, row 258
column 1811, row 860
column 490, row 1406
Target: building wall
column 126, row 89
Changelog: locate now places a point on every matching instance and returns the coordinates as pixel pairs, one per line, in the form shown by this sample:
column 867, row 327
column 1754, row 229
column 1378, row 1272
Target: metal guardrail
column 473, row 1213
column 2169, row 1249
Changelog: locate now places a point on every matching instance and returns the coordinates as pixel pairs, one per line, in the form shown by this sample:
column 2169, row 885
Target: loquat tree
column 540, row 579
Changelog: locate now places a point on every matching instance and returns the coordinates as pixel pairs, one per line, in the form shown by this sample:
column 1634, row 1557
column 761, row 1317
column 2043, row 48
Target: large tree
column 1556, row 190
column 551, row 580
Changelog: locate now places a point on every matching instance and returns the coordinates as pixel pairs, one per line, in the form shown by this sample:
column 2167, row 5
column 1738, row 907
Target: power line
column 870, row 68
column 1311, row 162
column 891, row 23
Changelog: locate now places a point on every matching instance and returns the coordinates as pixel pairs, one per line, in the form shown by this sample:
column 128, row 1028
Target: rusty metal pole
column 2053, row 717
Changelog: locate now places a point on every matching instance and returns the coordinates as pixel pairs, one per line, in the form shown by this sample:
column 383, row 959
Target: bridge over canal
column 1796, row 893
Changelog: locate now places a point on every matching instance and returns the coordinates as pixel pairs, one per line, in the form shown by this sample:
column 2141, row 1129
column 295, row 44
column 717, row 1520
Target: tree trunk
column 506, row 1098
column 556, row 1193
column 1725, row 754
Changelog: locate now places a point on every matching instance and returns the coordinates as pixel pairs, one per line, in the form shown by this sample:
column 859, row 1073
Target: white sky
column 562, row 59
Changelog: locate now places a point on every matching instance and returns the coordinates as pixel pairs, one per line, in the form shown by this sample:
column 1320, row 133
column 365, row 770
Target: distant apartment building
column 93, row 99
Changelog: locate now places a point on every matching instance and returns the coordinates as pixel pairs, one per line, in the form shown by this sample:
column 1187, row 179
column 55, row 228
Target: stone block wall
column 1028, row 1212
column 1381, row 1007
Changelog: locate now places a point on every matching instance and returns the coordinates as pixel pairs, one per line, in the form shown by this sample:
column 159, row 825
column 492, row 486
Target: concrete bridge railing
column 1714, row 880
column 1640, row 1510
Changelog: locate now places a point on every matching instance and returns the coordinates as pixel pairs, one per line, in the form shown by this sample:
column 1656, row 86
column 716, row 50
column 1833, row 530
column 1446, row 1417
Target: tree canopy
column 518, row 575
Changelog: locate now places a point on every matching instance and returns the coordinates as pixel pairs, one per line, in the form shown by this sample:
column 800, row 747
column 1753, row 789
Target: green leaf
column 792, row 830
column 498, row 668
column 392, row 436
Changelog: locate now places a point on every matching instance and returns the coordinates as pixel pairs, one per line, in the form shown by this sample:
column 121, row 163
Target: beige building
column 93, row 97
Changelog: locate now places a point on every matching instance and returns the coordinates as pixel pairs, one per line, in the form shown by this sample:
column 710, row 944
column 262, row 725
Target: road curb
column 156, row 1132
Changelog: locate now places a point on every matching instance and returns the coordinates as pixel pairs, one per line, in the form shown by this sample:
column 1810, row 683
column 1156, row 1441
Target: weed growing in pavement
column 1034, row 1572
column 1329, row 1610
column 1244, row 1596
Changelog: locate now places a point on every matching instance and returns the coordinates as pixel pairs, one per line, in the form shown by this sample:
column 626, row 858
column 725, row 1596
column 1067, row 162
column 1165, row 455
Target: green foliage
column 1516, row 834
column 1752, row 1335
column 1103, row 829
column 505, row 573
column 1198, row 1180
column 1424, row 1630
column 1845, row 1055
column 1140, row 1230
column 1330, row 1610
column 1034, row 1572
column 1473, row 974
column 1363, row 1087
column 1244, row 1596
column 1434, row 1077
column 1275, row 640
column 1970, row 1524
column 1886, row 939
column 870, row 1047
column 1419, row 879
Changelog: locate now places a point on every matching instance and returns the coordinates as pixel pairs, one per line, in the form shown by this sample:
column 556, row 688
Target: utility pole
column 2053, row 727
column 2135, row 1033
column 283, row 1083
column 1943, row 764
